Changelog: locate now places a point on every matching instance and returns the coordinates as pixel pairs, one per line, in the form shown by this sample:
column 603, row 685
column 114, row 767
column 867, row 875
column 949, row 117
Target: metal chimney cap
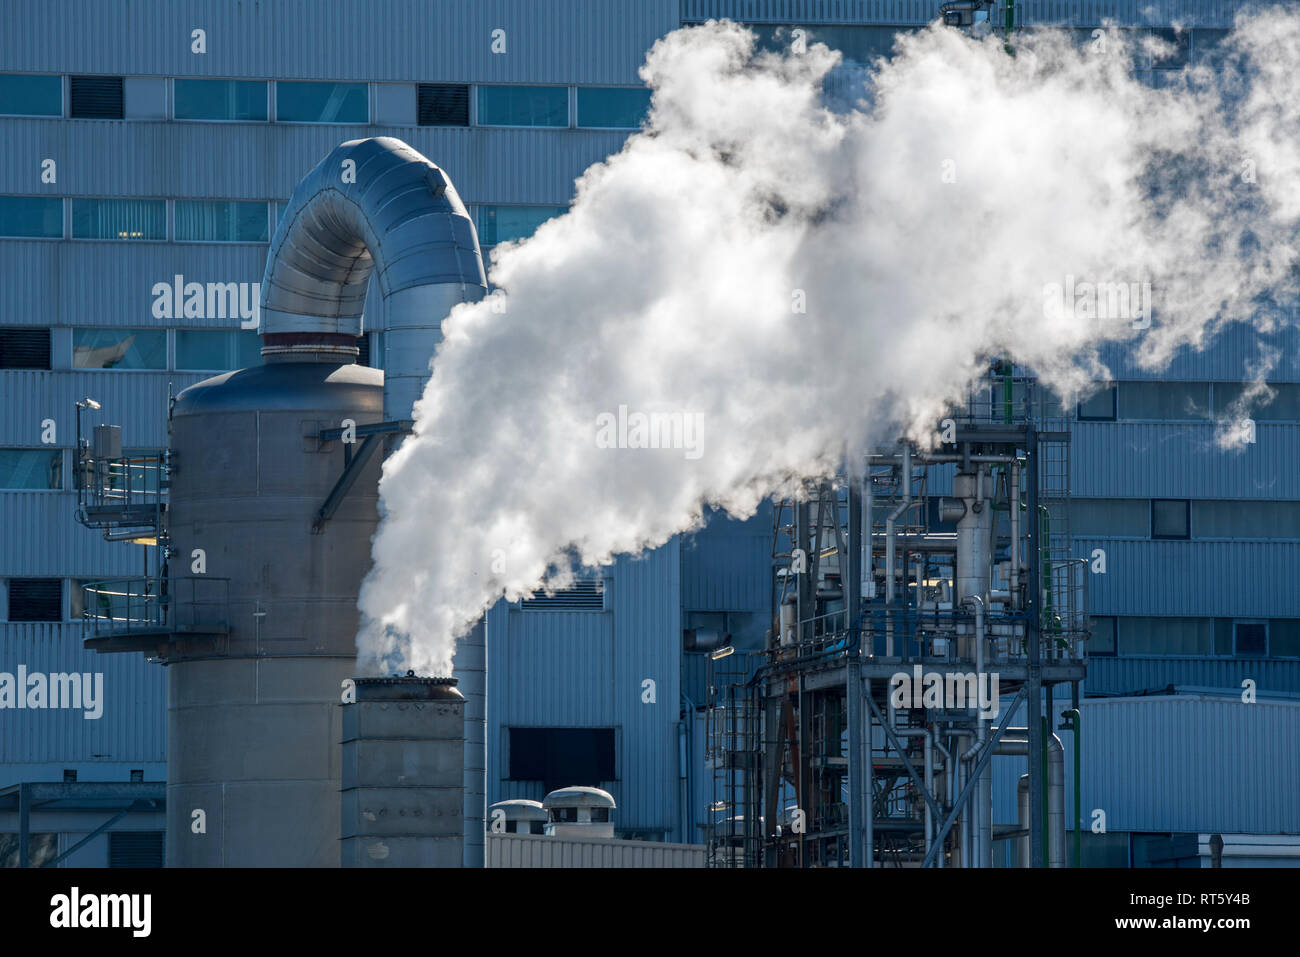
column 408, row 687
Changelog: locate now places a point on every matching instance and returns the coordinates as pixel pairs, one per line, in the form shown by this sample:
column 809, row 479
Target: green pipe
column 1076, row 726
column 1010, row 23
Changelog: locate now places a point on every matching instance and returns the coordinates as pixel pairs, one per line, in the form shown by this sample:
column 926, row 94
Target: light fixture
column 88, row 403
column 722, row 652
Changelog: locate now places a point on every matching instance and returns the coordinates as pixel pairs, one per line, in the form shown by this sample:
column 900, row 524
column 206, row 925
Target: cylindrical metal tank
column 253, row 721
column 974, row 535
column 403, row 774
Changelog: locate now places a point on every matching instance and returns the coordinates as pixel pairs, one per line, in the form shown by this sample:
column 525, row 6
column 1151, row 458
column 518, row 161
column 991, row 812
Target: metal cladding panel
column 135, row 400
column 1189, row 578
column 1178, row 763
column 647, row 646
column 575, row 41
column 727, row 565
column 1137, row 459
column 42, row 539
column 538, row 850
column 555, row 670
column 1128, row 675
column 1227, row 357
column 87, row 283
column 132, row 727
column 1198, row 12
column 265, row 161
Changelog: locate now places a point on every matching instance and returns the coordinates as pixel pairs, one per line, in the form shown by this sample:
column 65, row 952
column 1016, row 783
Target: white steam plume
column 943, row 222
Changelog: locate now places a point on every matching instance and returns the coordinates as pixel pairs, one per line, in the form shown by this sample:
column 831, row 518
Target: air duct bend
column 371, row 206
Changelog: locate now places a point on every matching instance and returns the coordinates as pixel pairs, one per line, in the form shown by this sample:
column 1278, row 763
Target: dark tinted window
column 31, row 94
column 1169, row 518
column 36, row 599
column 24, row 348
column 443, row 104
column 562, row 757
column 38, row 217
column 96, row 97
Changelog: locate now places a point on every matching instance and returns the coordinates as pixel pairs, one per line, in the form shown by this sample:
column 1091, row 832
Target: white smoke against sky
column 798, row 282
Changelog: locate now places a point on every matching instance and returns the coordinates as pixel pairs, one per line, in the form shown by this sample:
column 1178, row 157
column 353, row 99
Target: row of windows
column 196, row 221
column 1185, row 401
column 249, row 101
column 207, row 221
column 1228, row 637
column 1185, row 519
column 182, row 350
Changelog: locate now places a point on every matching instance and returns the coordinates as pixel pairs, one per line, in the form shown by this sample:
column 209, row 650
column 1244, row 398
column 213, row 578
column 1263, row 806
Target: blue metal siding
column 1151, row 460
column 1195, row 579
column 1129, row 674
column 727, row 565
column 916, row 12
column 1226, row 357
column 563, row 41
column 1180, row 763
column 266, row 160
column 132, row 727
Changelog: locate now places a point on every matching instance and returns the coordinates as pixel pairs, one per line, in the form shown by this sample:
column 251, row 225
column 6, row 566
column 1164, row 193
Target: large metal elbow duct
column 371, row 206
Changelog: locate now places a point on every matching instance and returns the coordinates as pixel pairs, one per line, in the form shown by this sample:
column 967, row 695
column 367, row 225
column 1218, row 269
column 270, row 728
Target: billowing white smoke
column 779, row 283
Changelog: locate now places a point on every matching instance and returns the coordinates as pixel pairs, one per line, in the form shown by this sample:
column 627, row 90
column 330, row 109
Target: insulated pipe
column 889, row 549
column 1015, row 535
column 371, row 206
column 1022, row 820
column 377, row 206
column 867, row 564
column 925, row 734
column 1055, row 792
column 984, row 786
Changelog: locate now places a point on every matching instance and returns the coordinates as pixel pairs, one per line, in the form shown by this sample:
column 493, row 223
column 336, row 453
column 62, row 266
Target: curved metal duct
column 378, row 206
column 372, row 205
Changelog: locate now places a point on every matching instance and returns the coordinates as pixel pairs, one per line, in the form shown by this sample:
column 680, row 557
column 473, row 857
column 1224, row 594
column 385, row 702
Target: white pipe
column 889, row 549
column 1015, row 535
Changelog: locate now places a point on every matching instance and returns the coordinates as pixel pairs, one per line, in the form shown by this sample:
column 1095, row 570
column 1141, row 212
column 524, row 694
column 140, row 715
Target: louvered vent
column 96, row 97
column 24, row 348
column 585, row 595
column 443, row 104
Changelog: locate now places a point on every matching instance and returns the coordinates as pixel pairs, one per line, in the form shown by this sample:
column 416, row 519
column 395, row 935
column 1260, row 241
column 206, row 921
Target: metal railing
column 130, row 606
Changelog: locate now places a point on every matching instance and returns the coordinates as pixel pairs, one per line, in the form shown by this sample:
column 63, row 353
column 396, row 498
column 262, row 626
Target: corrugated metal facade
column 134, row 700
column 915, row 12
column 566, row 41
column 589, row 669
column 1181, row 763
column 536, row 850
column 1129, row 674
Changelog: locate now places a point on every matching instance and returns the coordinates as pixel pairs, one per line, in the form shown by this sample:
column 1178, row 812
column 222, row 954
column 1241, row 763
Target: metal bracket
column 354, row 462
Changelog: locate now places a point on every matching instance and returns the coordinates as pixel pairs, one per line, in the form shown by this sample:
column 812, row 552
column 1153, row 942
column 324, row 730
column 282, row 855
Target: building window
column 612, row 107
column 31, row 217
column 1110, row 518
column 96, row 97
column 217, row 350
column 1280, row 404
column 1170, row 518
column 119, row 219
column 1284, row 637
column 235, row 100
column 442, row 104
column 1237, row 520
column 499, row 224
column 31, row 94
column 1167, row 401
column 35, row 599
column 322, row 102
column 221, row 221
column 1166, row 636
column 523, row 106
column 119, row 348
column 562, row 757
column 1250, row 639
column 1099, row 406
column 24, row 348
column 25, row 469
column 1103, row 637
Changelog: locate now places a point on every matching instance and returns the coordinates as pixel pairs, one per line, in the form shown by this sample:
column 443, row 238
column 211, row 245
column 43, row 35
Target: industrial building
column 154, row 145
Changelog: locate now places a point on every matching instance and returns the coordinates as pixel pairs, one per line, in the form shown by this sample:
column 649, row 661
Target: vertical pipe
column 1015, row 535
column 869, row 804
column 853, row 693
column 1033, row 638
column 1022, row 820
column 1076, row 726
column 1055, row 800
column 890, row 588
column 24, row 820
